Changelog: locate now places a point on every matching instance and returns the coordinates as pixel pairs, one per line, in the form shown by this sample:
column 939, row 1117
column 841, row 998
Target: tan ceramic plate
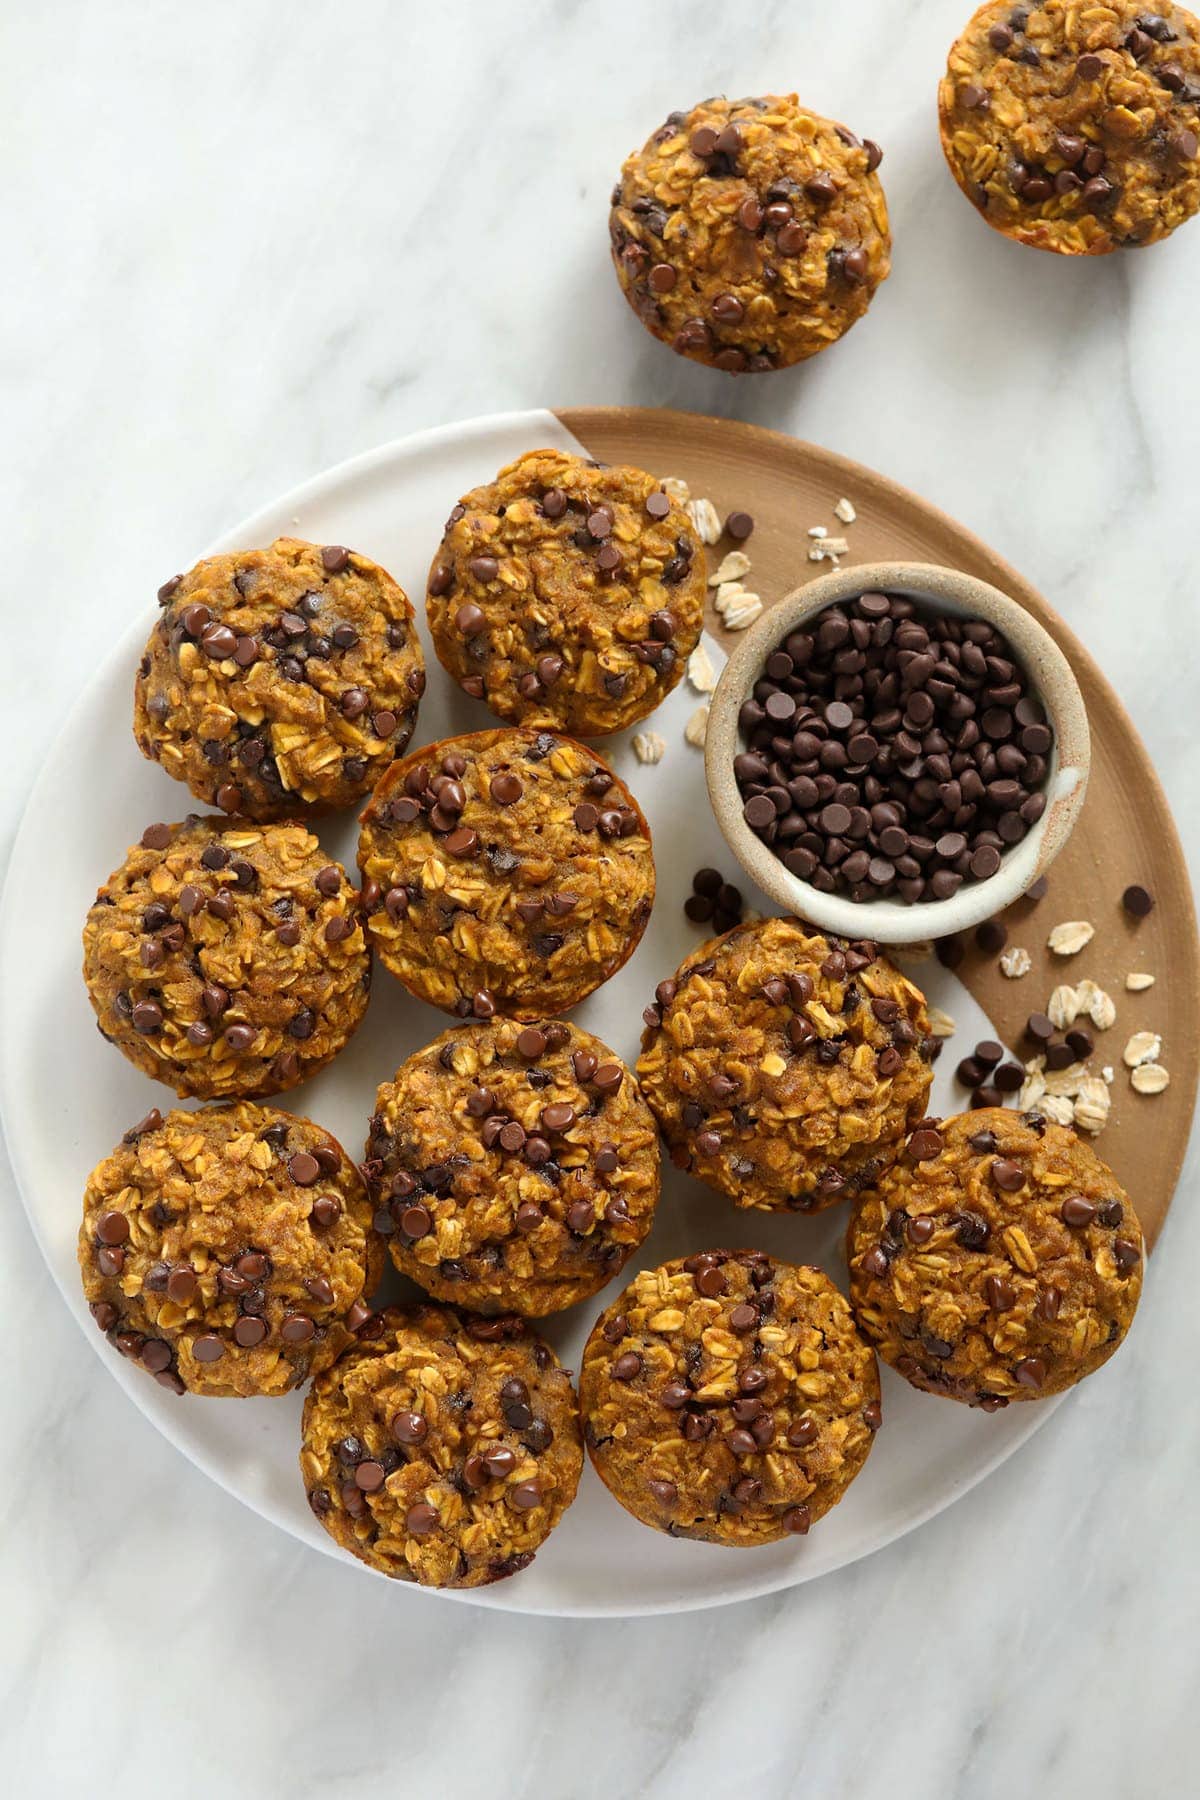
column 1125, row 833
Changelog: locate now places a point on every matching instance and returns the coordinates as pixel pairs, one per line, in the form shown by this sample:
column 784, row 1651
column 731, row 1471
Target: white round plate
column 67, row 1096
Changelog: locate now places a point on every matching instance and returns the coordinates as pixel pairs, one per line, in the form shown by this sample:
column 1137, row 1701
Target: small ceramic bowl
column 892, row 921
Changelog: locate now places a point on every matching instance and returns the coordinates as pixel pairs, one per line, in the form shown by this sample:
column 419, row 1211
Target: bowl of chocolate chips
column 896, row 751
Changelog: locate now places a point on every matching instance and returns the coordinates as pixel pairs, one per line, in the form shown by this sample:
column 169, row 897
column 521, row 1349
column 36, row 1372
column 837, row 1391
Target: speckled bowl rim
column 945, row 590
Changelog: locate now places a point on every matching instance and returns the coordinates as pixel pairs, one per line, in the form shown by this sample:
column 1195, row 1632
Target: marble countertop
column 246, row 242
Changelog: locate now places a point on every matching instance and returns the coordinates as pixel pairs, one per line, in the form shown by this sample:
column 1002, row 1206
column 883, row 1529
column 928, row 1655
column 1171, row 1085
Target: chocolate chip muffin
column 1076, row 128
column 750, row 234
column 228, row 1251
column 728, row 1397
column 567, row 594
column 505, row 871
column 513, row 1168
column 227, row 958
column 442, row 1449
column 786, row 1069
column 998, row 1260
column 279, row 680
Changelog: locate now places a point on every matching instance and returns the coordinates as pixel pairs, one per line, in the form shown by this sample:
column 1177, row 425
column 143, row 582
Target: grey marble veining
column 247, row 240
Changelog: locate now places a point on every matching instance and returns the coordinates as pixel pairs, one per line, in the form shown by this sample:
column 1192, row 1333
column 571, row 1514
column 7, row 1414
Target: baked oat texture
column 442, row 1449
column 729, row 1397
column 568, row 594
column 281, row 680
column 998, row 1260
column 228, row 1251
column 1074, row 127
column 750, row 234
column 505, row 871
column 513, row 1168
column 227, row 958
column 786, row 1069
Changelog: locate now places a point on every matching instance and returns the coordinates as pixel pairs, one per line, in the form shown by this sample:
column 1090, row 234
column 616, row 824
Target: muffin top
column 729, row 1397
column 228, row 1251
column 514, row 1167
column 1076, row 128
column 750, row 234
column 227, row 958
column 998, row 1260
column 504, row 871
column 566, row 593
column 281, row 679
column 442, row 1449
column 785, row 1068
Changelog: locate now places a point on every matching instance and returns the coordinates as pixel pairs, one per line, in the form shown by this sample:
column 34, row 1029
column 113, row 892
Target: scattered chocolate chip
column 1137, row 901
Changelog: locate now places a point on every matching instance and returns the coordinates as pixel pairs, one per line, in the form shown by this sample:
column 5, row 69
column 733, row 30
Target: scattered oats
column 941, row 1025
column 1143, row 1047
column 700, row 670
column 649, row 747
column 844, row 510
column 920, row 950
column 1137, row 983
column 733, row 567
column 1092, row 1104
column 1066, row 1081
column 737, row 606
column 1015, row 962
column 1034, row 1085
column 1102, row 1011
column 828, row 549
column 696, row 729
column 705, row 518
column 1057, row 1108
column 1062, row 1008
column 1109, row 1073
column 678, row 489
column 1150, row 1078
column 1069, row 938
column 817, row 531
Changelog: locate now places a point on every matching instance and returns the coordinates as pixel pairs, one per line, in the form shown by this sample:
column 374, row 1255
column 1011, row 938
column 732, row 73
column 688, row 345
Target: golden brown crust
column 227, row 958
column 750, row 234
column 505, row 871
column 513, row 1168
column 998, row 1260
column 228, row 1251
column 787, row 1068
column 561, row 600
column 729, row 1397
column 442, row 1449
column 1075, row 128
column 280, row 680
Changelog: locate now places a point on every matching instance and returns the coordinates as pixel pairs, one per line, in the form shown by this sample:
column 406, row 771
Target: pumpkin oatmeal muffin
column 505, row 871
column 786, row 1069
column 1076, row 128
column 750, row 234
column 279, row 680
column 998, row 1260
column 514, row 1168
column 228, row 1251
column 729, row 1397
column 567, row 594
column 227, row 958
column 442, row 1449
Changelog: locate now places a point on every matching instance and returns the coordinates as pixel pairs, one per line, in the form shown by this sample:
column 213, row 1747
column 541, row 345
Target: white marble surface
column 246, row 240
